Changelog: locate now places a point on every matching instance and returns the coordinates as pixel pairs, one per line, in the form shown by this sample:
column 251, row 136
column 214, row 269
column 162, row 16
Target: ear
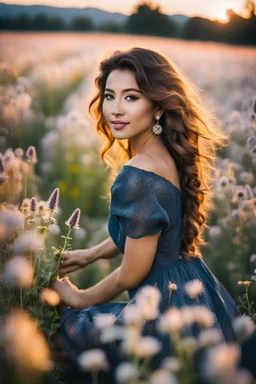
column 159, row 112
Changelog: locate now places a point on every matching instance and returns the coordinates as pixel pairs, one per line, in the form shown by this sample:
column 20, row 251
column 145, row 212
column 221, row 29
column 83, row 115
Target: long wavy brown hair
column 191, row 133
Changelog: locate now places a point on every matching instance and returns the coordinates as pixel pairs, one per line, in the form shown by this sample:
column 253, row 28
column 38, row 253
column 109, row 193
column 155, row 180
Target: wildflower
column 245, row 283
column 224, row 182
column 215, row 232
column 49, row 297
column 103, row 320
column 188, row 344
column 126, row 372
column 253, row 258
column 222, row 360
column 132, row 315
column 12, row 220
column 33, row 204
column 73, row 221
column 244, row 327
column 19, row 152
column 42, row 208
column 193, row 288
column 162, row 376
column 112, row 333
column 251, row 142
column 171, row 321
column 147, row 300
column 27, row 242
column 147, row 346
column 209, row 337
column 172, row 286
column 93, row 360
column 53, row 200
column 131, row 337
column 18, row 272
column 171, row 364
column 31, row 154
column 203, row 316
column 187, row 314
column 21, row 332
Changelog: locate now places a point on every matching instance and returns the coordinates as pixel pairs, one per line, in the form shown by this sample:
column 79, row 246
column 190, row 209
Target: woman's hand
column 74, row 260
column 69, row 294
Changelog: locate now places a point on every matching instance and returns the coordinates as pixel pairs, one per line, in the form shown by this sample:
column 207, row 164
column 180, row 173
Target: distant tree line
column 149, row 20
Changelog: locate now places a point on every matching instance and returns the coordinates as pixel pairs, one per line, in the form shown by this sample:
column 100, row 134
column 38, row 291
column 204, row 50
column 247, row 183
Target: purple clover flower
column 54, row 199
column 73, row 221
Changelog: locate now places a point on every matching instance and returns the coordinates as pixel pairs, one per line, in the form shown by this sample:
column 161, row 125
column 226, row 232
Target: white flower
column 147, row 346
column 171, row 364
column 103, row 320
column 222, row 360
column 112, row 333
column 147, row 300
column 243, row 327
column 215, row 232
column 203, row 316
column 126, row 372
column 131, row 337
column 193, row 288
column 170, row 321
column 93, row 360
column 187, row 315
column 162, row 376
column 18, row 272
column 209, row 337
column 253, row 258
column 132, row 315
column 27, row 242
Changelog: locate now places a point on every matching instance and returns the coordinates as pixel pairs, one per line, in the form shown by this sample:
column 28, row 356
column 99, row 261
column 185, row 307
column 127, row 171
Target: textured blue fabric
column 144, row 203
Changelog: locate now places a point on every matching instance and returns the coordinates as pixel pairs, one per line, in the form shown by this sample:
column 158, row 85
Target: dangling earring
column 157, row 129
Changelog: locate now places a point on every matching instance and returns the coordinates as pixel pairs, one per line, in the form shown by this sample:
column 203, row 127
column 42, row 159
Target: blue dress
column 144, row 203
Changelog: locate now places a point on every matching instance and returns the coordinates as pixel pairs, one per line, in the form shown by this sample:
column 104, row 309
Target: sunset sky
column 205, row 8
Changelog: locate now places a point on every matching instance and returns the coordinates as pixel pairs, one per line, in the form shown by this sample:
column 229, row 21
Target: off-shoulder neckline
column 155, row 174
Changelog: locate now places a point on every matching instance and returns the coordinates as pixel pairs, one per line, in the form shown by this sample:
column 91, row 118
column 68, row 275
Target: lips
column 119, row 125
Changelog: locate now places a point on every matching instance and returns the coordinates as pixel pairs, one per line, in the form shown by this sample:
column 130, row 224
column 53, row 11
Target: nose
column 116, row 108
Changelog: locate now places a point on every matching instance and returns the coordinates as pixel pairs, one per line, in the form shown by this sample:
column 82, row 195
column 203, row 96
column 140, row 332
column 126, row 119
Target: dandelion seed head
column 215, row 232
column 103, row 320
column 193, row 288
column 18, row 272
column 162, row 376
column 243, row 327
column 222, row 360
column 209, row 337
column 187, row 314
column 147, row 300
column 112, row 333
column 132, row 315
column 126, row 372
column 171, row 364
column 171, row 321
column 27, row 242
column 253, row 258
column 93, row 360
column 203, row 316
column 147, row 346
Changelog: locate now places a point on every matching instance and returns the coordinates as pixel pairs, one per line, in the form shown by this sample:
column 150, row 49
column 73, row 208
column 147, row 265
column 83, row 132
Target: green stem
column 94, row 377
column 21, row 303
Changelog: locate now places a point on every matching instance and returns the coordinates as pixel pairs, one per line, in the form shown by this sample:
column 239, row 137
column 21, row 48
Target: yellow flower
column 75, row 193
column 63, row 186
column 246, row 282
column 74, row 169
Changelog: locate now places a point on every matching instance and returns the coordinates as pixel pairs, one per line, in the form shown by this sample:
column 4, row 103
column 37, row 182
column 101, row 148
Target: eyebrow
column 124, row 90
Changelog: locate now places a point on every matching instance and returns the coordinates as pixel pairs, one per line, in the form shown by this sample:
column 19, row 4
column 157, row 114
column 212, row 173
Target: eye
column 108, row 94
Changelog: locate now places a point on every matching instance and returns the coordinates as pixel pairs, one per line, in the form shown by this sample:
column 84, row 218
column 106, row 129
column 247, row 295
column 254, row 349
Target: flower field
column 52, row 188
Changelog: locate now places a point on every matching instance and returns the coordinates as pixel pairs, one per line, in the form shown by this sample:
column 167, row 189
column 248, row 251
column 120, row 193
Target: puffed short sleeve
column 135, row 204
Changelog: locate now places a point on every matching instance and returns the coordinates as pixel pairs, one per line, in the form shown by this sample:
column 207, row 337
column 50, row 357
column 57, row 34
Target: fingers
column 68, row 269
column 68, row 259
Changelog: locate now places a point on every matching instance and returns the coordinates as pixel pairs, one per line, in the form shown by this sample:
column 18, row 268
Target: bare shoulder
column 164, row 168
column 145, row 162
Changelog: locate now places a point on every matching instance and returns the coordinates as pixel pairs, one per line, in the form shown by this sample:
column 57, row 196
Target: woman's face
column 128, row 106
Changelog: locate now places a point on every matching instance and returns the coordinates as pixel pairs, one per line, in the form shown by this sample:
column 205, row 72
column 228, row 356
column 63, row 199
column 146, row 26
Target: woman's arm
column 107, row 249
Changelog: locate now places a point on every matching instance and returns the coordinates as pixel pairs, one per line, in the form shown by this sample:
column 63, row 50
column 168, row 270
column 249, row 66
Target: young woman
column 164, row 140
